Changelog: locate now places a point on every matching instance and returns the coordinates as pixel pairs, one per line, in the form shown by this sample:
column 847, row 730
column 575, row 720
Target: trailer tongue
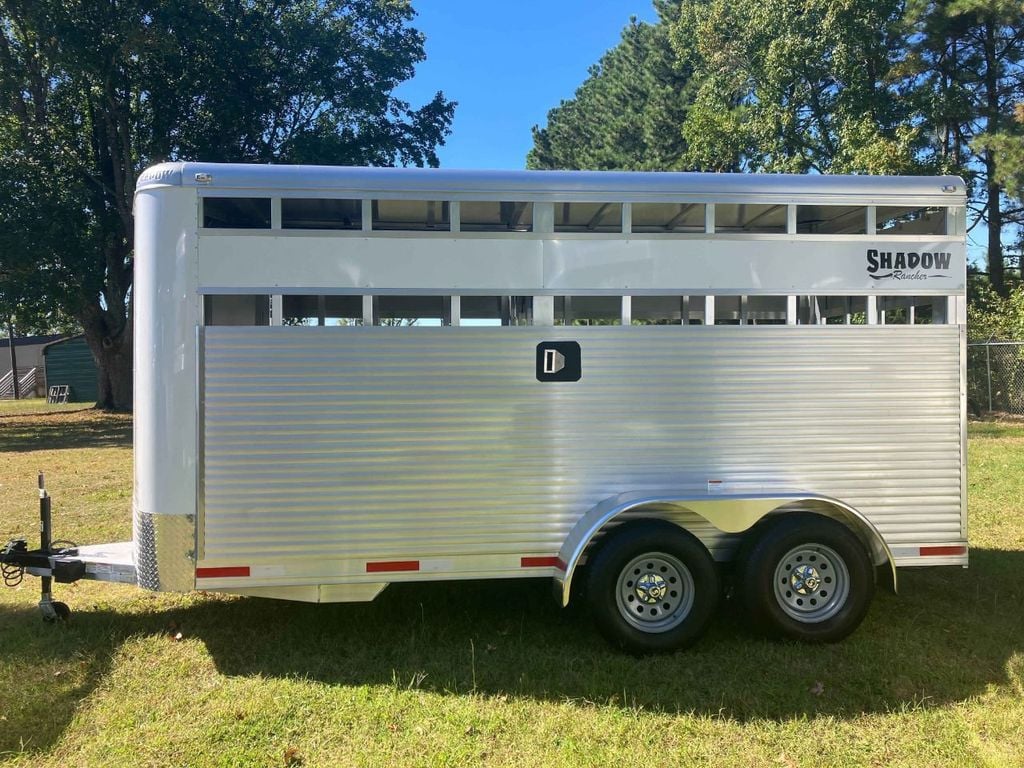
column 63, row 562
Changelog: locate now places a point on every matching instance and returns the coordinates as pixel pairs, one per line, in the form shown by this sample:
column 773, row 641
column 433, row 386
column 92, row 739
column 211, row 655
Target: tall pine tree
column 629, row 111
column 969, row 59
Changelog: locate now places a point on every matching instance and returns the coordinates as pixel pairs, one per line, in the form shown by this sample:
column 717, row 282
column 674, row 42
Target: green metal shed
column 69, row 361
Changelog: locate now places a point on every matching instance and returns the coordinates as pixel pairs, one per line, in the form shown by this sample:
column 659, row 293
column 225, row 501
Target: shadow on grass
column 93, row 429
column 948, row 636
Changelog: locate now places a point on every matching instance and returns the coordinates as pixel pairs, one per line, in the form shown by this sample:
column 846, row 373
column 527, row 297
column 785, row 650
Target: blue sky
column 507, row 64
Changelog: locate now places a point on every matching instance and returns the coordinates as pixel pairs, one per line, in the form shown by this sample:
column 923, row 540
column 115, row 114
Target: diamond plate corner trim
column 164, row 548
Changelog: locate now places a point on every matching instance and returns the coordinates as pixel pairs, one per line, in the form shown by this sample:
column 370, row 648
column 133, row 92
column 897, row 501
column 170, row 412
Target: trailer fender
column 729, row 513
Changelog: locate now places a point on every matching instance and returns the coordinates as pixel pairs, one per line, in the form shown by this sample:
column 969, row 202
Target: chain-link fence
column 995, row 377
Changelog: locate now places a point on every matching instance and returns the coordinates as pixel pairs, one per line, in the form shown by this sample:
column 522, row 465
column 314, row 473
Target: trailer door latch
column 559, row 361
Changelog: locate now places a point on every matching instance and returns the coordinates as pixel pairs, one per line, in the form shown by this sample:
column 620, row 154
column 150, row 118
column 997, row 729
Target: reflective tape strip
column 956, row 549
column 222, row 573
column 541, row 562
column 393, row 565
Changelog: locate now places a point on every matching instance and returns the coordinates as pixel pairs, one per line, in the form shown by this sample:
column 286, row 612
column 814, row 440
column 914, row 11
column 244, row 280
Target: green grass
column 36, row 405
column 489, row 673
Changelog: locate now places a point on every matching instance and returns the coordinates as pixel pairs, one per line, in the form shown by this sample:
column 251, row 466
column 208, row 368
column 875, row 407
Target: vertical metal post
column 988, row 375
column 45, row 523
column 45, row 538
column 14, row 358
column 543, row 310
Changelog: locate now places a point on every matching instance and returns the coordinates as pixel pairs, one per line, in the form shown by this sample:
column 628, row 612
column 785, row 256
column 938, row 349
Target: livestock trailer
column 637, row 383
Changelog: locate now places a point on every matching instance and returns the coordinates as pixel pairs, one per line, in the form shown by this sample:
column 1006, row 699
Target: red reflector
column 222, row 573
column 953, row 550
column 393, row 565
column 541, row 562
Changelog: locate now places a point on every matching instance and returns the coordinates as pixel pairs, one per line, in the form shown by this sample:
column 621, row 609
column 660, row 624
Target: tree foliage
column 968, row 58
column 995, row 317
column 93, row 92
column 826, row 86
column 796, row 86
column 1008, row 145
column 627, row 113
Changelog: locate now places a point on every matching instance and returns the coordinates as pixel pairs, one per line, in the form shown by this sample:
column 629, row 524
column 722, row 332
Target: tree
column 797, row 86
column 991, row 316
column 970, row 59
column 627, row 113
column 93, row 92
column 1007, row 145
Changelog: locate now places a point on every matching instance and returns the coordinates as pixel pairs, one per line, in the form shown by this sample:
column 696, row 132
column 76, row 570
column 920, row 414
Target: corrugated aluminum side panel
column 396, row 443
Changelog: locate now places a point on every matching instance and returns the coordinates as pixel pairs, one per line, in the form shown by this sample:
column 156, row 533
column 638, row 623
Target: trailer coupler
column 49, row 562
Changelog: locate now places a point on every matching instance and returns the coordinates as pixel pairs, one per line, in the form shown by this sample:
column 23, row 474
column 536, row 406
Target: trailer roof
column 443, row 183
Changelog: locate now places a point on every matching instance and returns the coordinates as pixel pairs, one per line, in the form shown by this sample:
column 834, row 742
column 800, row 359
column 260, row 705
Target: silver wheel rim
column 654, row 592
column 812, row 583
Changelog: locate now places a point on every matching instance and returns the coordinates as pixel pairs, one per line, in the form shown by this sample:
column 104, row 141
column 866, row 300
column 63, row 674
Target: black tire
column 61, row 613
column 805, row 577
column 668, row 604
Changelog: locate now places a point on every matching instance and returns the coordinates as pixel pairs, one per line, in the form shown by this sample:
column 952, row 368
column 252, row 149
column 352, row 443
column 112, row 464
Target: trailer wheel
column 808, row 578
column 61, row 612
column 652, row 587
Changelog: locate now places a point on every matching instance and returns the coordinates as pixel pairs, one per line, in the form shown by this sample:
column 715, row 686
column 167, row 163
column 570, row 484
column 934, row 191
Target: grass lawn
column 492, row 673
column 36, row 405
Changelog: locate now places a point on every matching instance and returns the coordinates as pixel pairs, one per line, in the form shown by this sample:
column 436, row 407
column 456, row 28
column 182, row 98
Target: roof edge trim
column 162, row 175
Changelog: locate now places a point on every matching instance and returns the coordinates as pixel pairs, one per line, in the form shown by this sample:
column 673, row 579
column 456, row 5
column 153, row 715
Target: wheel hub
column 650, row 588
column 654, row 592
column 812, row 583
column 805, row 580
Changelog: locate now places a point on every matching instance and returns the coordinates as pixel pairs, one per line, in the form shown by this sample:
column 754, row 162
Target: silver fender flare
column 729, row 513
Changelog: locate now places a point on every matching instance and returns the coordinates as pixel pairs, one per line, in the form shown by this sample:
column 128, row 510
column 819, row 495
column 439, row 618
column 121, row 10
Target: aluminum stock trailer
column 638, row 383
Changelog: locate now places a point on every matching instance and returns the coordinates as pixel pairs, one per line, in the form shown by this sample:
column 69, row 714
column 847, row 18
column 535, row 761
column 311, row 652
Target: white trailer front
column 348, row 377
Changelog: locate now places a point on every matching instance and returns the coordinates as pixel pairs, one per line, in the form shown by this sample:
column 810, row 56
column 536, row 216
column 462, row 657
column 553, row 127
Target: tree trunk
column 993, row 189
column 996, row 267
column 113, row 369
